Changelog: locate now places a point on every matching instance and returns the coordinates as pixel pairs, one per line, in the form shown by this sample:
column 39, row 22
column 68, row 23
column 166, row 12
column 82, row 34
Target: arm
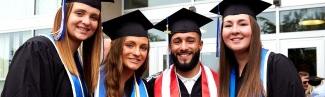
column 283, row 79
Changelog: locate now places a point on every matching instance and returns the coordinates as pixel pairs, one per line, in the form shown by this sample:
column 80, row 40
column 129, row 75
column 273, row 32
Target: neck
column 242, row 59
column 191, row 73
column 127, row 74
column 74, row 44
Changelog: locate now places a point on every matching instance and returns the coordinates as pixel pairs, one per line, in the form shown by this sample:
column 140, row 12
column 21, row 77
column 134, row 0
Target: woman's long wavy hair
column 114, row 67
column 251, row 84
column 91, row 50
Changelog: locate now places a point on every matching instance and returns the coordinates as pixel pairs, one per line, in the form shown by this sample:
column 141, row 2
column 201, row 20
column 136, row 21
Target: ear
column 201, row 44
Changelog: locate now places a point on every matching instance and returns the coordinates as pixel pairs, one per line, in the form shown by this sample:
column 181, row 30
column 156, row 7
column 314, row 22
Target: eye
column 79, row 13
column 129, row 45
column 243, row 24
column 191, row 40
column 227, row 25
column 177, row 41
column 94, row 17
column 144, row 48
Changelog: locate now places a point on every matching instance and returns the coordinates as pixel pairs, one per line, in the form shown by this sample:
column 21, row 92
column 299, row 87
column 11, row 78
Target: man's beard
column 184, row 67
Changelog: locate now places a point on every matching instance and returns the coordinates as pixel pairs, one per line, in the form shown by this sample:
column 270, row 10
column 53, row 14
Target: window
column 45, row 31
column 9, row 43
column 46, row 6
column 210, row 30
column 156, row 35
column 302, row 19
column 266, row 21
column 129, row 4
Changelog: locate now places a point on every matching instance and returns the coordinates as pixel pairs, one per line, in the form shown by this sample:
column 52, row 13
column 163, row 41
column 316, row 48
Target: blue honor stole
column 138, row 87
column 263, row 71
column 78, row 87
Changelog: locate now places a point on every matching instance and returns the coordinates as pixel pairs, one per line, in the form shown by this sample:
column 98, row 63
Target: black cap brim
column 131, row 24
column 198, row 19
column 234, row 7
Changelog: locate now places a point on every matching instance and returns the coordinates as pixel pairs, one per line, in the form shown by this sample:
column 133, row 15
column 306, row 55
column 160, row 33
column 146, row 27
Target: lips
column 134, row 60
column 236, row 39
column 83, row 29
column 184, row 56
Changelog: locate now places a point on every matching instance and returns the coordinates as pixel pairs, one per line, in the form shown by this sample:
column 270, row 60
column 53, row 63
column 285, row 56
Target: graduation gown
column 37, row 71
column 282, row 78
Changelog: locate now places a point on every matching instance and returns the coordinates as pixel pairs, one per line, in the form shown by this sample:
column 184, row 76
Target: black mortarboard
column 234, row 7
column 93, row 3
column 314, row 80
column 131, row 24
column 183, row 21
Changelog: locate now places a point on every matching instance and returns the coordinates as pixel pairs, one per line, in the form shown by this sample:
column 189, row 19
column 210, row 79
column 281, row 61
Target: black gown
column 282, row 78
column 196, row 90
column 37, row 71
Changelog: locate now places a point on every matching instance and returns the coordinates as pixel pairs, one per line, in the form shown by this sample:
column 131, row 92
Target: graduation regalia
column 37, row 71
column 131, row 24
column 281, row 77
column 278, row 74
column 168, row 84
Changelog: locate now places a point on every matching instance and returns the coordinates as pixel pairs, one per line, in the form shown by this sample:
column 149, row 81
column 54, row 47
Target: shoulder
column 280, row 61
column 38, row 43
column 280, row 66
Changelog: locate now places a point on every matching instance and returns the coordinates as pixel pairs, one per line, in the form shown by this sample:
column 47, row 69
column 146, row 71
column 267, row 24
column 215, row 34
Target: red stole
column 166, row 84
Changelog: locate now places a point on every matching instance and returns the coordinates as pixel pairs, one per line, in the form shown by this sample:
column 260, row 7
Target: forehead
column 236, row 17
column 185, row 35
column 136, row 39
column 77, row 5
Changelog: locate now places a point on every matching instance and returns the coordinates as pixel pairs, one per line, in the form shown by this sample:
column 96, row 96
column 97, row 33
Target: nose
column 183, row 46
column 136, row 51
column 235, row 29
column 86, row 20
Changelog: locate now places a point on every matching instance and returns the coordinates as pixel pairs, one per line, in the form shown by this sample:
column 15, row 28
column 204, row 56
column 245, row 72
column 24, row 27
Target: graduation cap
column 234, row 7
column 131, row 24
column 183, row 21
column 93, row 3
column 314, row 80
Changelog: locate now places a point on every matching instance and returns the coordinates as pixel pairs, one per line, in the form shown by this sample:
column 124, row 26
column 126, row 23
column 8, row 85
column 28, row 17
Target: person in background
column 50, row 65
column 247, row 69
column 187, row 77
column 127, row 59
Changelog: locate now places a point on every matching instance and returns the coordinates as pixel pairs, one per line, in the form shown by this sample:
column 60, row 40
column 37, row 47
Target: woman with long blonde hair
column 50, row 65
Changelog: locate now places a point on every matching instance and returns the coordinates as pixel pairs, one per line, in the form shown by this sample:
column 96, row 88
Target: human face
column 82, row 22
column 237, row 32
column 185, row 49
column 135, row 51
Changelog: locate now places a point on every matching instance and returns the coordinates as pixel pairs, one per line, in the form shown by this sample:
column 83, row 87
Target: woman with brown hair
column 127, row 59
column 49, row 66
column 247, row 69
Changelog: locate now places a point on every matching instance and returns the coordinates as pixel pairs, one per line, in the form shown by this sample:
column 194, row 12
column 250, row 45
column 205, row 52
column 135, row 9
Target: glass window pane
column 302, row 19
column 210, row 30
column 4, row 54
column 156, row 35
column 46, row 6
column 129, row 4
column 266, row 21
column 45, row 31
column 209, row 59
column 304, row 59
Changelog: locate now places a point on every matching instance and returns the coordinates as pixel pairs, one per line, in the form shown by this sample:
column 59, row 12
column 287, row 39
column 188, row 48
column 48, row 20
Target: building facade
column 295, row 28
